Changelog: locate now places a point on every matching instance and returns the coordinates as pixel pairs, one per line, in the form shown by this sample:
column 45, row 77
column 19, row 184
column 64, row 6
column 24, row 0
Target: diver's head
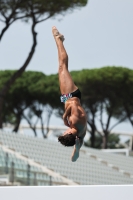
column 68, row 138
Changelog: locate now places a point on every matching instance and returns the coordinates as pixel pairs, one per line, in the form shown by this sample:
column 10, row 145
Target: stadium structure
column 26, row 160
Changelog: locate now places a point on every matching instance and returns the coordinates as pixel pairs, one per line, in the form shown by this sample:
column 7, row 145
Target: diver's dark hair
column 67, row 140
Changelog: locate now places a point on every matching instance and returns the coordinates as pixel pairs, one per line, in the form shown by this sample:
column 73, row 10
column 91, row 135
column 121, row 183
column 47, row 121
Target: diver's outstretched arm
column 77, row 146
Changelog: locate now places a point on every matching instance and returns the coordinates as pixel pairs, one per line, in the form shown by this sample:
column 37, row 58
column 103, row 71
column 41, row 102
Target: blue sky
column 100, row 34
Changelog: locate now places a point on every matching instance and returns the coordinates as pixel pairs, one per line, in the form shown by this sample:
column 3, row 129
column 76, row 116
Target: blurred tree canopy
column 24, row 93
column 12, row 10
column 106, row 93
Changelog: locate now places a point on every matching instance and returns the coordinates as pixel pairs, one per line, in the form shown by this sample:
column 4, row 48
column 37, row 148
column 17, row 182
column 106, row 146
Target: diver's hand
column 66, row 122
column 77, row 144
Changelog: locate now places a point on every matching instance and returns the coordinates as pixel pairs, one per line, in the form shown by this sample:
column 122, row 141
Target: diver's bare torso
column 75, row 116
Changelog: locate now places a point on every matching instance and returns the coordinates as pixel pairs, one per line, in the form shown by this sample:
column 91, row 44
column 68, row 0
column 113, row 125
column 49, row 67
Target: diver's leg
column 66, row 83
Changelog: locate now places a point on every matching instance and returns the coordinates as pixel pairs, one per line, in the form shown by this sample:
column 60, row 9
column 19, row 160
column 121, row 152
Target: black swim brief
column 65, row 97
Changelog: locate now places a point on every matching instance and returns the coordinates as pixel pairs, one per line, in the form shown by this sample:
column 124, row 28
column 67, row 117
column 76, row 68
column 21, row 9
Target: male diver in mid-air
column 74, row 116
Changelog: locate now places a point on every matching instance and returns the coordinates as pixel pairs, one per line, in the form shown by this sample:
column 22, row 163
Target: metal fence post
column 50, row 181
column 35, row 181
column 6, row 163
column 28, row 174
column 12, row 173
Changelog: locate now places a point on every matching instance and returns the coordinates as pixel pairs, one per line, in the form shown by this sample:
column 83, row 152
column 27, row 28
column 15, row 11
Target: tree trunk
column 34, row 130
column 93, row 136
column 30, row 124
column 132, row 137
column 48, row 120
column 4, row 30
column 18, row 123
column 105, row 141
column 42, row 129
column 131, row 121
column 93, row 140
column 1, row 106
column 18, row 73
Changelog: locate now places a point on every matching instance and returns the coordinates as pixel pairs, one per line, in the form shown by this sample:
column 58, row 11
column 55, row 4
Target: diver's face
column 70, row 131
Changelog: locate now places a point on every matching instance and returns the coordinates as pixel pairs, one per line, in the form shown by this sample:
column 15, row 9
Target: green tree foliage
column 25, row 92
column 12, row 10
column 104, row 91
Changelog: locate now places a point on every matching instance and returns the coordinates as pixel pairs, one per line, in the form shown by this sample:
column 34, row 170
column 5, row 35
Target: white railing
column 126, row 151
